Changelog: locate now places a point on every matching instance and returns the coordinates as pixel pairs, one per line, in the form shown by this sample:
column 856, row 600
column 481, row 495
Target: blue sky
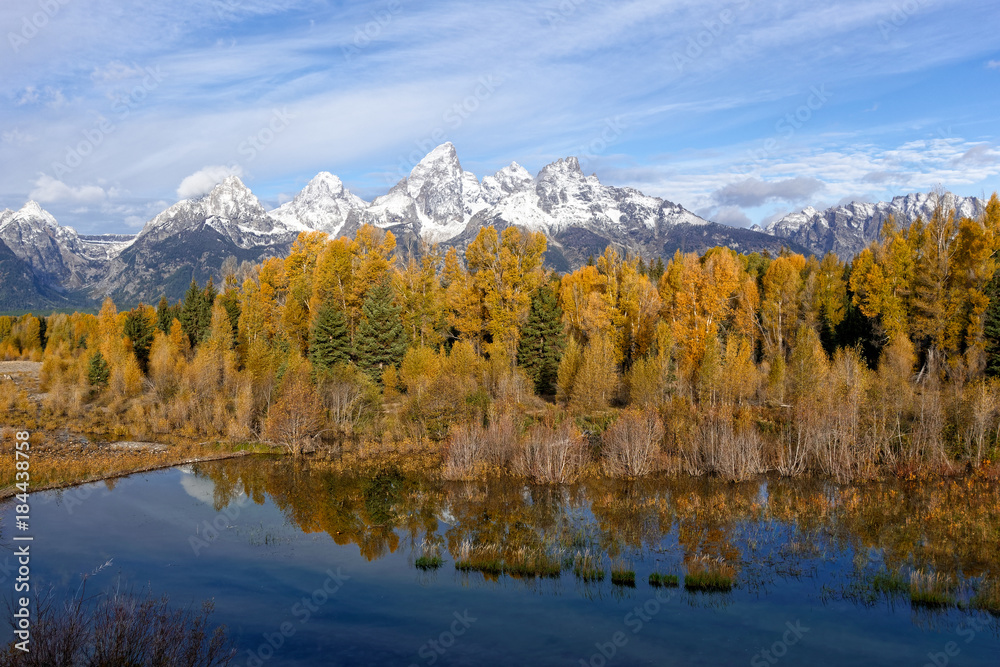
column 740, row 111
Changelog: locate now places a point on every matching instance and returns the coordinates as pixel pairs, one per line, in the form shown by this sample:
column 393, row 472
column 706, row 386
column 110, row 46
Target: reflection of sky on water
column 262, row 560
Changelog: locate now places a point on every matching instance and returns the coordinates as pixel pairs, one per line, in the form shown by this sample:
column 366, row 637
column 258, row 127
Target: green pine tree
column 165, row 315
column 191, row 312
column 991, row 326
column 329, row 340
column 381, row 340
column 655, row 271
column 98, row 371
column 205, row 312
column 230, row 300
column 540, row 349
column 140, row 332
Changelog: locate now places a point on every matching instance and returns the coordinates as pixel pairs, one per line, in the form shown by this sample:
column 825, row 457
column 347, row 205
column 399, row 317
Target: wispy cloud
column 567, row 68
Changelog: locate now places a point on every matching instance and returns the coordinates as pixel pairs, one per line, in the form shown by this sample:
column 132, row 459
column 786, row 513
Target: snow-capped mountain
column 323, row 205
column 847, row 229
column 435, row 202
column 438, row 202
column 56, row 254
column 230, row 209
column 191, row 240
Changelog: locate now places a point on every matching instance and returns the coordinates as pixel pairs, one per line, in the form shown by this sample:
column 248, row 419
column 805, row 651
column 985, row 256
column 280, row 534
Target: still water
column 313, row 567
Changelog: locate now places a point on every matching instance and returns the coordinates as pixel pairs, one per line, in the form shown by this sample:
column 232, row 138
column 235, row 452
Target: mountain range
column 44, row 264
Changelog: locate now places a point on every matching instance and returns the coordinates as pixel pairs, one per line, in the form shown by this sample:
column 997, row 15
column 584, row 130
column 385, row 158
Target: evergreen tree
column 381, row 339
column 230, row 300
column 191, row 313
column 166, row 314
column 163, row 315
column 541, row 345
column 329, row 340
column 991, row 327
column 140, row 331
column 205, row 312
column 655, row 271
column 98, row 371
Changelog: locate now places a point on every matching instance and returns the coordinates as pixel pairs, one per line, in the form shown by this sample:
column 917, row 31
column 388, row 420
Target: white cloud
column 754, row 191
column 978, row 155
column 29, row 96
column 48, row 189
column 202, row 181
column 17, row 137
column 115, row 71
column 993, row 64
column 732, row 215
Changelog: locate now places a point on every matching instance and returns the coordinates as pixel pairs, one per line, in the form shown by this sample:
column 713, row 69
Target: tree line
column 722, row 363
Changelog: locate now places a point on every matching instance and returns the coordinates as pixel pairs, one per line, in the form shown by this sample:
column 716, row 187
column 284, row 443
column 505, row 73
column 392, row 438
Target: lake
column 308, row 566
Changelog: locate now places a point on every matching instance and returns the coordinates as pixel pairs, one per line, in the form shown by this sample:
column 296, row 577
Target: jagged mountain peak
column 439, row 168
column 511, row 179
column 324, row 204
column 563, row 167
column 33, row 211
column 325, row 182
column 846, row 229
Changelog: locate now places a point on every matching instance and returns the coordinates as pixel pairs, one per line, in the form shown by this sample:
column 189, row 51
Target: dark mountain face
column 20, row 290
column 151, row 268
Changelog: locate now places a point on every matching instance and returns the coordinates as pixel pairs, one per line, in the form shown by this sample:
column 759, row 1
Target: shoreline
column 11, row 491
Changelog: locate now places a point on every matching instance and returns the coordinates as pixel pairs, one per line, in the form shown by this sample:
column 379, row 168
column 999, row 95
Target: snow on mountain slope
column 230, row 209
column 323, row 205
column 55, row 253
column 847, row 229
column 436, row 200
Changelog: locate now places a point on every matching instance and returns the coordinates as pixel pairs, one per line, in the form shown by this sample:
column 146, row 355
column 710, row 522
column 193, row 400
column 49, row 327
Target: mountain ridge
column 439, row 202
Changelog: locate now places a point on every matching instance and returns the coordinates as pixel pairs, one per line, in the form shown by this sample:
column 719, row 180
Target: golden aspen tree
column 582, row 302
column 596, row 382
column 569, row 367
column 300, row 267
column 506, row 269
column 463, row 301
column 422, row 299
column 780, row 305
column 881, row 278
column 333, row 279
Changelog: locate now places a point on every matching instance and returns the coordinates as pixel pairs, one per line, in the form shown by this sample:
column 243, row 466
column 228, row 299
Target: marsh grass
column 587, row 567
column 932, row 590
column 889, row 582
column 987, row 597
column 710, row 575
column 622, row 573
column 429, row 557
column 522, row 562
column 428, row 562
column 658, row 580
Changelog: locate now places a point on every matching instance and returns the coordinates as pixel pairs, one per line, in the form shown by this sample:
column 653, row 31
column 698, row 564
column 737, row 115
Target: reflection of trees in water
column 783, row 526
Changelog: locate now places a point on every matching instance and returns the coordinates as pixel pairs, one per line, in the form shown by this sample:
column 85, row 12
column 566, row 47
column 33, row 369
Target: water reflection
column 756, row 532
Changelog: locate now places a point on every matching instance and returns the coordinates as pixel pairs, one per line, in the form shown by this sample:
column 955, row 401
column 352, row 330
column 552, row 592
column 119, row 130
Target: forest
column 726, row 364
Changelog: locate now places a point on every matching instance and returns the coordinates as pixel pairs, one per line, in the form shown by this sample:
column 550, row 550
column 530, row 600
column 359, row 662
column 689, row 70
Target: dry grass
column 55, row 464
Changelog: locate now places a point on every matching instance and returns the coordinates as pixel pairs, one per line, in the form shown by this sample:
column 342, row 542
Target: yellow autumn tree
column 506, row 269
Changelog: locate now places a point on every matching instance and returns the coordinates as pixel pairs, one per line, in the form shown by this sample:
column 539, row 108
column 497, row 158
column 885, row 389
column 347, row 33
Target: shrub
column 632, row 443
column 121, row 629
column 552, row 455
